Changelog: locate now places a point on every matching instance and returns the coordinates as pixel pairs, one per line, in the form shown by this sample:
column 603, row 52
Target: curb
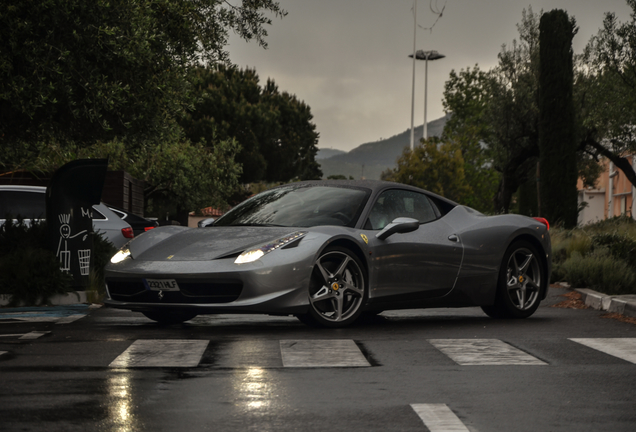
column 620, row 304
column 73, row 297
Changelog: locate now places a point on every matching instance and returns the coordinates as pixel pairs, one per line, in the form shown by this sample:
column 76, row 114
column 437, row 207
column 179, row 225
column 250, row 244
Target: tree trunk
column 620, row 162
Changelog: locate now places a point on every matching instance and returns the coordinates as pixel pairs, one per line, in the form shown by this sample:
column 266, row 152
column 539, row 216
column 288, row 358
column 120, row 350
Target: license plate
column 161, row 284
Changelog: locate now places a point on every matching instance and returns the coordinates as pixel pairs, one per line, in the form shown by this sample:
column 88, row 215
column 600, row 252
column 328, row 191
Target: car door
column 416, row 265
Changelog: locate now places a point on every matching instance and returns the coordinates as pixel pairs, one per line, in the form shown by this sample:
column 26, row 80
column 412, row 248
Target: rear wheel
column 169, row 317
column 520, row 283
column 337, row 290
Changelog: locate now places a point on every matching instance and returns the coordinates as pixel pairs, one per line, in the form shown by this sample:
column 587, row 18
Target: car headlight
column 254, row 254
column 121, row 255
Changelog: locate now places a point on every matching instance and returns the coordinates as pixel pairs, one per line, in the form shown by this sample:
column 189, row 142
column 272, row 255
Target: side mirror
column 400, row 225
column 205, row 222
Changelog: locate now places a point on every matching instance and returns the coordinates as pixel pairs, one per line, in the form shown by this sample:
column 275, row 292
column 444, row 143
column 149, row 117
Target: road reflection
column 255, row 392
column 120, row 403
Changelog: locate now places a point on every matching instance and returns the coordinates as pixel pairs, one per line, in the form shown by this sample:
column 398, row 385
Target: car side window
column 28, row 205
column 97, row 215
column 395, row 203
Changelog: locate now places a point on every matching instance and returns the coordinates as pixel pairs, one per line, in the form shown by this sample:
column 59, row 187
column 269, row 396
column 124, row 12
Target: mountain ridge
column 370, row 159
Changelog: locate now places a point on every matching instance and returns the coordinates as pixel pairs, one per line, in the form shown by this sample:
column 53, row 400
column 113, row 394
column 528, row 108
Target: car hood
column 202, row 244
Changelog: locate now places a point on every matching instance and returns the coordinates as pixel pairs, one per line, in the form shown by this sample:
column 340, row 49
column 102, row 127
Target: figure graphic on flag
column 65, row 233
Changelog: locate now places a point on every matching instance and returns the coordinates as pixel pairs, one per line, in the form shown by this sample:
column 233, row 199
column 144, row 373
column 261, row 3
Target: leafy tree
column 79, row 72
column 513, row 112
column 608, row 92
column 466, row 96
column 178, row 174
column 498, row 110
column 557, row 134
column 109, row 78
column 434, row 166
column 274, row 129
column 495, row 114
column 293, row 153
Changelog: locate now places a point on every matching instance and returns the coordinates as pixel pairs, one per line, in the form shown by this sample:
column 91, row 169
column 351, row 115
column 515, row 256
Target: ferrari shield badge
column 366, row 240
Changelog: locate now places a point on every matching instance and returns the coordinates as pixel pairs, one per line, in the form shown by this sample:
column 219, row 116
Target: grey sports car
column 329, row 251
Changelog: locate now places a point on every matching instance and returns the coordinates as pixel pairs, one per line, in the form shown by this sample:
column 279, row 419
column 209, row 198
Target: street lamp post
column 424, row 55
column 413, row 84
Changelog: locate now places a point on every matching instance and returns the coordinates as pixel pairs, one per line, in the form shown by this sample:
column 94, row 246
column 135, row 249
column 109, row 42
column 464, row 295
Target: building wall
column 613, row 195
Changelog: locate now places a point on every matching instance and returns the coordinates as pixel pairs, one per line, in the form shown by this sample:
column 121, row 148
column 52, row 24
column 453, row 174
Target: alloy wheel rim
column 523, row 279
column 337, row 287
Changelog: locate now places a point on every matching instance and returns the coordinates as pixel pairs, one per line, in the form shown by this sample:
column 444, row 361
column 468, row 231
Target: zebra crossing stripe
column 69, row 319
column 483, row 352
column 623, row 348
column 34, row 335
column 439, row 418
column 322, row 353
column 161, row 353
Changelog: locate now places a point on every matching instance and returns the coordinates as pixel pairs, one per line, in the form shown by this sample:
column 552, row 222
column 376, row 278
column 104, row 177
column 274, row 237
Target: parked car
column 139, row 224
column 29, row 202
column 327, row 251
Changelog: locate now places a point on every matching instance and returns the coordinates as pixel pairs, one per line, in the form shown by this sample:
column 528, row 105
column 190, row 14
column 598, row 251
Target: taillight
column 544, row 221
column 147, row 228
column 128, row 232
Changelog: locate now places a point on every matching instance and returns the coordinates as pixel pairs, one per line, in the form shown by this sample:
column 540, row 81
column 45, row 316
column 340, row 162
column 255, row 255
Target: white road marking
column 3, row 352
column 623, row 348
column 30, row 317
column 34, row 334
column 439, row 418
column 36, row 319
column 12, row 335
column 322, row 353
column 483, row 352
column 69, row 319
column 161, row 353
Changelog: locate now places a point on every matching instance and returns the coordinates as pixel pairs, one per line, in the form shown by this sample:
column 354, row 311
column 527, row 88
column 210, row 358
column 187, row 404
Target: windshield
column 304, row 206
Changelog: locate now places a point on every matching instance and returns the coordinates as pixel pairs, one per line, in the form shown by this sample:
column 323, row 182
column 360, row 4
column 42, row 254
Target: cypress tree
column 557, row 132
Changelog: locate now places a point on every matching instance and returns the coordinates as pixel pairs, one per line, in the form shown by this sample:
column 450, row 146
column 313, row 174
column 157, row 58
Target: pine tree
column 557, row 131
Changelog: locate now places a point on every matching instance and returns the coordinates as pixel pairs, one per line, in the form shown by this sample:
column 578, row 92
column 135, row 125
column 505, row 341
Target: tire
column 520, row 283
column 337, row 289
column 169, row 317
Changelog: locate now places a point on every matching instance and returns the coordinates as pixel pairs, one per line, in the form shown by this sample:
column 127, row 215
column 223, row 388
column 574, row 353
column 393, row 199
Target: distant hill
column 328, row 152
column 376, row 156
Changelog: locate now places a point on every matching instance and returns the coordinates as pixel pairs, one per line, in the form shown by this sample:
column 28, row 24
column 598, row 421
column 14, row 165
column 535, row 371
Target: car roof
column 376, row 186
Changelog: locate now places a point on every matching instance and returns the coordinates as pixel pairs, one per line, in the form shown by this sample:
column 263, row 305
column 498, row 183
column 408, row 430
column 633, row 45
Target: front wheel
column 520, row 283
column 169, row 317
column 337, row 289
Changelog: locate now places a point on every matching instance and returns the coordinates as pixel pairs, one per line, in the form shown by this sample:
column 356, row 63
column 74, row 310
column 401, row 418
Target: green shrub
column 567, row 242
column 32, row 276
column 601, row 272
column 30, row 273
column 620, row 246
column 103, row 250
column 601, row 256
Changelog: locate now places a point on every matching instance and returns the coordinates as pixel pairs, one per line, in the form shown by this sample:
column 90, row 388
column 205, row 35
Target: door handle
column 453, row 238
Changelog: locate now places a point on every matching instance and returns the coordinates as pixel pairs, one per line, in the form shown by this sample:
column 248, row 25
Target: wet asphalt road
column 114, row 370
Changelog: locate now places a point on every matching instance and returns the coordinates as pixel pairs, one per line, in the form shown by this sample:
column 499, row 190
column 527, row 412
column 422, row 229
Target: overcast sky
column 348, row 59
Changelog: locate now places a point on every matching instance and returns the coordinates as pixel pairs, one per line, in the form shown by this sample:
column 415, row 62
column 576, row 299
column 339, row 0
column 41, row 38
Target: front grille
column 191, row 291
